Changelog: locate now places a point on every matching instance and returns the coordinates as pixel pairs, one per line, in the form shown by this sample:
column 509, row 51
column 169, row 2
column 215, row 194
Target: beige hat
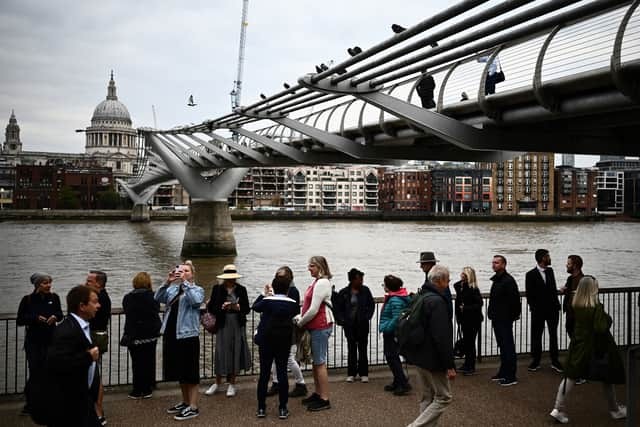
column 229, row 272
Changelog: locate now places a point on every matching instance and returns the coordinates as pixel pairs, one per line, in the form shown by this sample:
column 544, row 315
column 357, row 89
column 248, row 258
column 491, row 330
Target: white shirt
column 87, row 333
column 542, row 271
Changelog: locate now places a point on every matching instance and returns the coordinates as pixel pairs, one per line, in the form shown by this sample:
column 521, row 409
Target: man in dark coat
column 72, row 372
column 574, row 268
column 542, row 297
column 434, row 361
column 97, row 280
column 504, row 309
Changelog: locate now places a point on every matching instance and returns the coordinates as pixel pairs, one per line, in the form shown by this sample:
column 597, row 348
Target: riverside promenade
column 476, row 402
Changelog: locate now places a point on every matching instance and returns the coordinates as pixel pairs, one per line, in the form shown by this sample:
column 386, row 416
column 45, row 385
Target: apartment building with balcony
column 524, row 185
column 576, row 191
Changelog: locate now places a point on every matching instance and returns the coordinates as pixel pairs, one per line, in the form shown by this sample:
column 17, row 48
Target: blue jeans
column 503, row 330
column 320, row 345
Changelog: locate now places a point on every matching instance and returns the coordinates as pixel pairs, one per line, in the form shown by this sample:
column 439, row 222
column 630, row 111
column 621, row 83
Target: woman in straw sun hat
column 230, row 304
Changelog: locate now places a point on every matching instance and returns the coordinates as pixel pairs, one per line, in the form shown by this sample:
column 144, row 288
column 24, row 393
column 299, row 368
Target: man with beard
column 542, row 297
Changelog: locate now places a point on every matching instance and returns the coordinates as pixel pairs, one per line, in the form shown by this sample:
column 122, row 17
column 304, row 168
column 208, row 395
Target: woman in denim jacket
column 181, row 342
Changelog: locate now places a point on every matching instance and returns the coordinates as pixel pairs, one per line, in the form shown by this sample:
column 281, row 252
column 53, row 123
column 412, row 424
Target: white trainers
column 349, row 379
column 211, row 390
column 231, row 390
column 364, row 379
column 620, row 413
column 560, row 417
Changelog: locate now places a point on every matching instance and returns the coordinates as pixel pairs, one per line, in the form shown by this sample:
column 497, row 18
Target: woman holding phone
column 182, row 298
column 230, row 304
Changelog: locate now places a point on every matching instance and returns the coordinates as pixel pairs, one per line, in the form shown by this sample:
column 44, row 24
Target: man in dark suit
column 542, row 297
column 72, row 371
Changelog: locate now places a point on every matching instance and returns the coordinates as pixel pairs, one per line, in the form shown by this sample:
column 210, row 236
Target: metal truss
column 572, row 85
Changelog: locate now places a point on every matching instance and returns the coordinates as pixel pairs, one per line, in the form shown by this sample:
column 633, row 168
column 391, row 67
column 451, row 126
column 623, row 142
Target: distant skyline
column 56, row 57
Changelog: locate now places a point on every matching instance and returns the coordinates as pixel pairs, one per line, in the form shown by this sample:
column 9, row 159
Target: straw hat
column 229, row 272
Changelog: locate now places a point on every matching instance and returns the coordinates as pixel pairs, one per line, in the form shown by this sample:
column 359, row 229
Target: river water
column 67, row 250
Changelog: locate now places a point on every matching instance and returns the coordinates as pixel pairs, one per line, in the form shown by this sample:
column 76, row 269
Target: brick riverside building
column 38, row 187
column 576, row 191
column 524, row 185
column 404, row 190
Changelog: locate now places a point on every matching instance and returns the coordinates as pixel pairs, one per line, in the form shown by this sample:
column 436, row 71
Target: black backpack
column 410, row 330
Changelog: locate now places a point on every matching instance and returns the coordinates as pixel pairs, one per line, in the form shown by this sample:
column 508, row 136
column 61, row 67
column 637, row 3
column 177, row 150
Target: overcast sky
column 56, row 56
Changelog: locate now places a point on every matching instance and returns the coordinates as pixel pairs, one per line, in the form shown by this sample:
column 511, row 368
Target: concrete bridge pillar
column 209, row 230
column 140, row 213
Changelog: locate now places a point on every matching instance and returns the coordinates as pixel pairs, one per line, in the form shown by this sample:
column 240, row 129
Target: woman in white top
column 318, row 320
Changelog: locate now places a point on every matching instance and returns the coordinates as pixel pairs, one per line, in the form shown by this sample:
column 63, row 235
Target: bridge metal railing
column 620, row 303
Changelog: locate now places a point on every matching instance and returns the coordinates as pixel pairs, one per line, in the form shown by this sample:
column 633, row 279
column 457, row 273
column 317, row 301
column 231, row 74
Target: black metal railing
column 620, row 303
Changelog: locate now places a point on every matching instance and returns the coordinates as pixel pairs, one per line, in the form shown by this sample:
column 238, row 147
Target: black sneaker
column 261, row 413
column 102, row 421
column 147, row 395
column 25, row 412
column 319, row 405
column 401, row 390
column 533, row 367
column 507, row 383
column 390, row 387
column 273, row 390
column 310, row 399
column 135, row 395
column 176, row 409
column 497, row 378
column 299, row 391
column 283, row 413
column 468, row 372
column 556, row 366
column 187, row 414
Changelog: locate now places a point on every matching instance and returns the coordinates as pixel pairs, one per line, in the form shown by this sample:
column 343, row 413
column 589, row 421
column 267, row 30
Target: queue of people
column 75, row 345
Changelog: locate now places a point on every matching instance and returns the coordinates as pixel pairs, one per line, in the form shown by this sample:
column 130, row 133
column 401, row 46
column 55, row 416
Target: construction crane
column 236, row 92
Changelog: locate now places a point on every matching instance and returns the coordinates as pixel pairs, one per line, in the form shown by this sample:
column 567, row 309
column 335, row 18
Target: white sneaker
column 620, row 413
column 231, row 390
column 211, row 390
column 560, row 417
column 349, row 379
column 364, row 379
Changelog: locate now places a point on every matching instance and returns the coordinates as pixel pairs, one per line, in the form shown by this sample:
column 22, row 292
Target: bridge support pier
column 209, row 230
column 140, row 213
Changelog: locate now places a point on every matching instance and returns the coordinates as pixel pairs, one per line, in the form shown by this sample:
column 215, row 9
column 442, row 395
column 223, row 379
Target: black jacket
column 219, row 296
column 67, row 374
column 542, row 297
column 101, row 321
column 436, row 351
column 364, row 311
column 34, row 305
column 276, row 326
column 468, row 303
column 504, row 299
column 142, row 314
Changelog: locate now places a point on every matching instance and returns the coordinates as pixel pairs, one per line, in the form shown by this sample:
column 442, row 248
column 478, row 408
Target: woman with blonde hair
column 318, row 320
column 469, row 315
column 593, row 353
column 181, row 330
column 141, row 330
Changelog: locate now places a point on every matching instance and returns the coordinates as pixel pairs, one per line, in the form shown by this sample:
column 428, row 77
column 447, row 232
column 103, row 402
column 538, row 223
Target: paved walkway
column 476, row 402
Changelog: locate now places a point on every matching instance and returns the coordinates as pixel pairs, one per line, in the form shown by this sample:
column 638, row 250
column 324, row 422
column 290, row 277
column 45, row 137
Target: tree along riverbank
column 33, row 214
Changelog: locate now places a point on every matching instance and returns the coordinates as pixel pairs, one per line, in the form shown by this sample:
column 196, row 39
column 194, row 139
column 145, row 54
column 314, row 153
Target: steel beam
column 247, row 151
column 284, row 149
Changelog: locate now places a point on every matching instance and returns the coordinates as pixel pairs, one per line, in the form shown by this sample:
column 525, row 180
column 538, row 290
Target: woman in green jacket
column 593, row 353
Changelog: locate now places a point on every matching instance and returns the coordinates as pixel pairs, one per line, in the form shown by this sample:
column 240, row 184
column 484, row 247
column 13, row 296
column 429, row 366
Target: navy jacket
column 504, row 299
column 277, row 311
column 101, row 321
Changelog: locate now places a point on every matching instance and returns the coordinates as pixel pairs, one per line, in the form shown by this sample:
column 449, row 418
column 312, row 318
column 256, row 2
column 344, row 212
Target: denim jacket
column 188, row 324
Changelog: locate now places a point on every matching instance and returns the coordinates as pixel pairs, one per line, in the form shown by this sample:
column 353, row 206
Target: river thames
column 67, row 250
